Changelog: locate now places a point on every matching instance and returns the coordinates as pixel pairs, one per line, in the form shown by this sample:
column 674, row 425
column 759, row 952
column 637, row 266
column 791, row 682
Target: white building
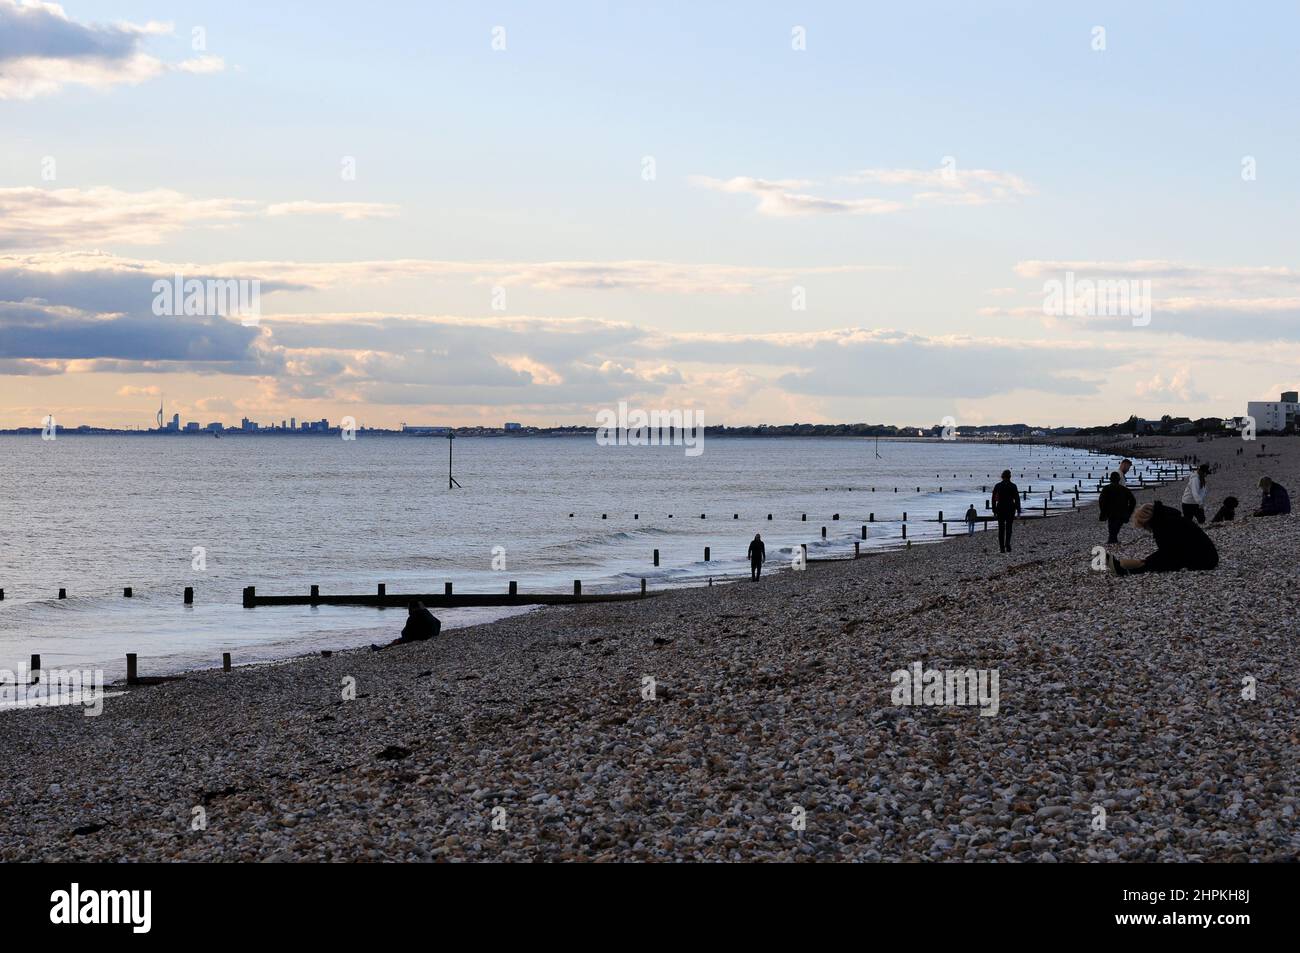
column 1275, row 415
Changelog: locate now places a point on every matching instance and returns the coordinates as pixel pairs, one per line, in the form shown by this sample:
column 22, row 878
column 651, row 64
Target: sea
column 95, row 514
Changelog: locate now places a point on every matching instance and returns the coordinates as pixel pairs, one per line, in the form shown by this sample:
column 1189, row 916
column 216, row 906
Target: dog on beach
column 1227, row 511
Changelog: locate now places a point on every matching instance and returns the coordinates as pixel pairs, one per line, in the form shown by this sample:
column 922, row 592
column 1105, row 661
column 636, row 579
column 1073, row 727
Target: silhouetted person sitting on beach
column 971, row 517
column 1006, row 505
column 1227, row 511
column 1274, row 501
column 421, row 625
column 1180, row 543
column 1115, row 504
column 757, row 556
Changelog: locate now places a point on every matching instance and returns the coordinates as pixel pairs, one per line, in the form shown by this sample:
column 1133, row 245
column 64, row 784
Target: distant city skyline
column 764, row 213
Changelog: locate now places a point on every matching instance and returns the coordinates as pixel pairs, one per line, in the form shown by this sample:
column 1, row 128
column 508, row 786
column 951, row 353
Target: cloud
column 33, row 218
column 45, row 333
column 30, row 272
column 785, row 198
column 202, row 65
column 543, row 363
column 1212, row 302
column 21, row 368
column 1171, row 273
column 1178, row 386
column 950, row 185
column 42, row 50
column 777, row 198
column 902, row 364
column 348, row 211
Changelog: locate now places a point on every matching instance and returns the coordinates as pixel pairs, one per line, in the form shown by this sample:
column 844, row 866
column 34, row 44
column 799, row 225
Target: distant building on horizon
column 1275, row 415
column 513, row 426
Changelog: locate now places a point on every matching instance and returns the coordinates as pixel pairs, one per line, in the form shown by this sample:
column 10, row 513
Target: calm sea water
column 95, row 514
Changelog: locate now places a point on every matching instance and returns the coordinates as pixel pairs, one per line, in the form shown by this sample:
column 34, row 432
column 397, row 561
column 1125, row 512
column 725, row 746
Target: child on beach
column 1180, row 543
column 971, row 517
column 1115, row 504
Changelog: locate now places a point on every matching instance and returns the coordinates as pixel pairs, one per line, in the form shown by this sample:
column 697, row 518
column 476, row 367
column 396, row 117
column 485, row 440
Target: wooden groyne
column 448, row 599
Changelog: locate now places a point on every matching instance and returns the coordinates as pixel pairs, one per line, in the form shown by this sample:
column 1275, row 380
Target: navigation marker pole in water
column 451, row 480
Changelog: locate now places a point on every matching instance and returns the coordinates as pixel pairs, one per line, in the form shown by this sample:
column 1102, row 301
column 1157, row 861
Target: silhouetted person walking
column 971, row 517
column 757, row 556
column 1115, row 504
column 1006, row 506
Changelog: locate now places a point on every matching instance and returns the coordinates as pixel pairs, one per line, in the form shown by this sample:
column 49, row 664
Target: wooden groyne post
column 132, row 676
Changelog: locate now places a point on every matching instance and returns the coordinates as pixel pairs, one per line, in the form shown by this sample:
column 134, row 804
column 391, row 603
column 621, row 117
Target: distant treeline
column 1166, row 425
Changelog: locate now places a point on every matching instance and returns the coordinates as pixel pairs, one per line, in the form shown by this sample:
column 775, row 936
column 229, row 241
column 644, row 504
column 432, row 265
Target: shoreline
column 766, row 697
column 695, row 581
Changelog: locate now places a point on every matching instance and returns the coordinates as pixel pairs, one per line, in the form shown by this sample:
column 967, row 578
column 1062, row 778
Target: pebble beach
column 1146, row 718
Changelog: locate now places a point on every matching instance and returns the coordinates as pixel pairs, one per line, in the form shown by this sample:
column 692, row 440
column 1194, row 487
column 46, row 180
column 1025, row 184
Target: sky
column 1058, row 214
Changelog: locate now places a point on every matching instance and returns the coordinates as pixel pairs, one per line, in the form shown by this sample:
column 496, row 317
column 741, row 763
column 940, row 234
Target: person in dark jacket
column 1227, row 510
column 757, row 556
column 971, row 517
column 1180, row 543
column 1274, row 501
column 421, row 625
column 1115, row 504
column 1006, row 506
